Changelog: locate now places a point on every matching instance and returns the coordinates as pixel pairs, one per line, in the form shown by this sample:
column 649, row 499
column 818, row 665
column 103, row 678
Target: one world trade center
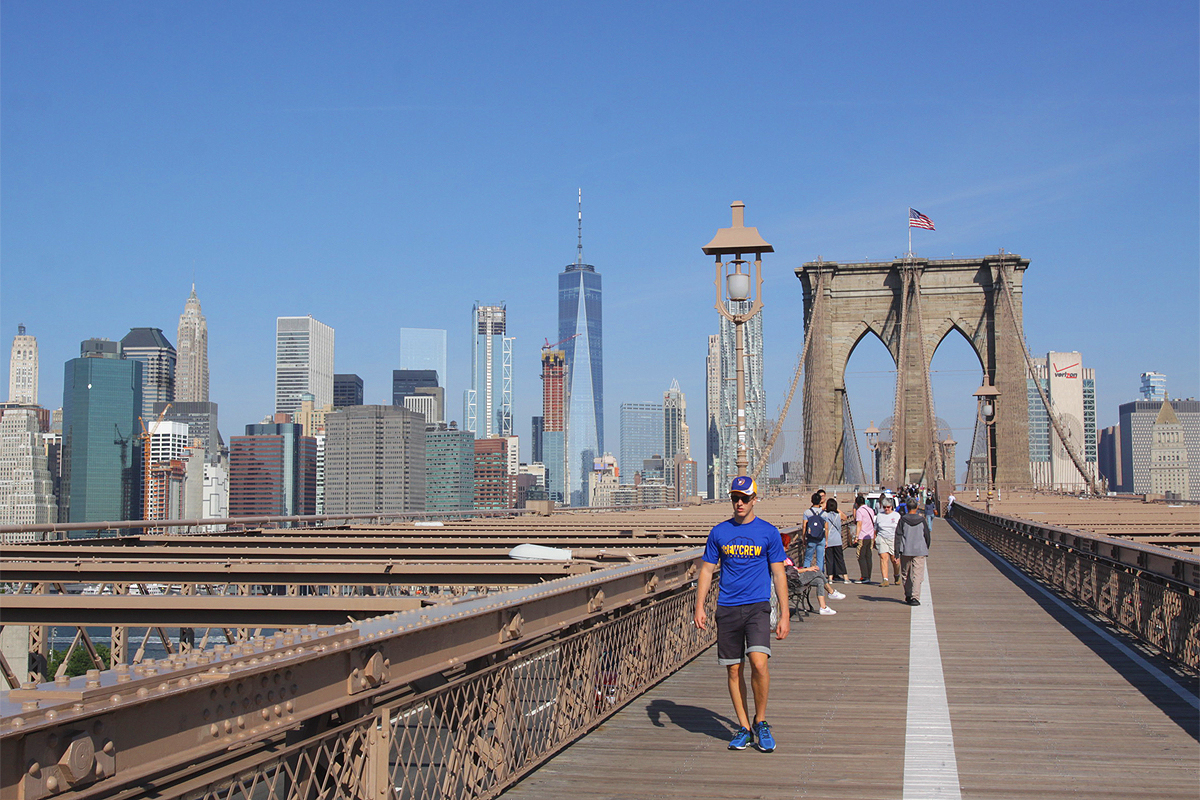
column 581, row 331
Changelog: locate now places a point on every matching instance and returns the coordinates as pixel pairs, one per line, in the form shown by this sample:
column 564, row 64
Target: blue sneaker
column 741, row 740
column 762, row 732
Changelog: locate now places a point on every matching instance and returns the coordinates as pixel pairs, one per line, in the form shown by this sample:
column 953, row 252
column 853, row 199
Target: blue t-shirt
column 745, row 553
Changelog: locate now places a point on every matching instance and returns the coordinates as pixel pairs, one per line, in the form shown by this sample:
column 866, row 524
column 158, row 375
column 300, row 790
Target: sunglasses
column 741, row 498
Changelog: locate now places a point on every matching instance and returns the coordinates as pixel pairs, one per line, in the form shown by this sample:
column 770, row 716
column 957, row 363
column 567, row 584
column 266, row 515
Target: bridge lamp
column 735, row 285
column 988, row 396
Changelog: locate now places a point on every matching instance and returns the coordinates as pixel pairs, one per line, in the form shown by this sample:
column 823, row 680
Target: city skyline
column 335, row 236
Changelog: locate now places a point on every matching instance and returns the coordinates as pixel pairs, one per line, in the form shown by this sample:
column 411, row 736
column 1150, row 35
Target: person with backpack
column 816, row 532
column 912, row 545
column 864, row 536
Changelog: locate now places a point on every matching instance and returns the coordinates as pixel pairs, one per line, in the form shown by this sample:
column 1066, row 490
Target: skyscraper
column 489, row 400
column 191, row 368
column 347, row 390
column 102, row 398
column 712, row 415
column 1154, row 386
column 1138, row 419
column 424, row 348
column 553, row 447
column 1072, row 392
column 727, row 428
column 1168, row 455
column 150, row 346
column 641, row 437
column 450, row 468
column 581, row 335
column 676, row 439
column 23, row 369
column 26, row 485
column 272, row 471
column 303, row 362
column 374, row 460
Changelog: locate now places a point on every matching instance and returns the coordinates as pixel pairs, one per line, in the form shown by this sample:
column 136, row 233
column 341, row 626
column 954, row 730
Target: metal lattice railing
column 1160, row 610
column 475, row 737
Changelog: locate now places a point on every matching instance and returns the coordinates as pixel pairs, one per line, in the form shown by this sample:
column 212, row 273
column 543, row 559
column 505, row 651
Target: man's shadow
column 694, row 719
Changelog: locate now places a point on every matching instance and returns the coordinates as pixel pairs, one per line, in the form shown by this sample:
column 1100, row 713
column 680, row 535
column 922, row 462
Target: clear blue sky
column 384, row 165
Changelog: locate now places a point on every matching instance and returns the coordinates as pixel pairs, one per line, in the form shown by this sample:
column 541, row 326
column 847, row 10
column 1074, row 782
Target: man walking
column 750, row 553
column 912, row 545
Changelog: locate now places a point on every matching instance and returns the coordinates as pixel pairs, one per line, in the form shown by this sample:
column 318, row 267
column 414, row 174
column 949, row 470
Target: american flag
column 918, row 220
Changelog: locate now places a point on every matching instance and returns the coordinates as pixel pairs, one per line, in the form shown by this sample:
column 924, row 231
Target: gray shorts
column 741, row 630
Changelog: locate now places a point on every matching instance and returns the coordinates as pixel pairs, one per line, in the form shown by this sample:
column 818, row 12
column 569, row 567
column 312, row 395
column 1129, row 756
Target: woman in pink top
column 864, row 525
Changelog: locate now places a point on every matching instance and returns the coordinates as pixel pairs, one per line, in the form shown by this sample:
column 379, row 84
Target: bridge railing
column 450, row 701
column 1151, row 592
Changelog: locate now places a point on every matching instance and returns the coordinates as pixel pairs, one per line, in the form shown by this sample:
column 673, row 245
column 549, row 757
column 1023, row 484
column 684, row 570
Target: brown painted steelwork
column 1151, row 592
column 232, row 714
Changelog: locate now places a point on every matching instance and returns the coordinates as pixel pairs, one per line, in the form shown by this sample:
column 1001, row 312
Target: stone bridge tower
column 845, row 302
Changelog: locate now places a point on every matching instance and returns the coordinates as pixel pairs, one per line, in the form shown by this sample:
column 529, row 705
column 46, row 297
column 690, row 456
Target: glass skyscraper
column 102, row 398
column 641, row 436
column 424, row 348
column 581, row 331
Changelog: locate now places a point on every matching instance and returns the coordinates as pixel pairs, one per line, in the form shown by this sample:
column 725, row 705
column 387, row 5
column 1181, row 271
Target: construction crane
column 147, row 437
column 548, row 346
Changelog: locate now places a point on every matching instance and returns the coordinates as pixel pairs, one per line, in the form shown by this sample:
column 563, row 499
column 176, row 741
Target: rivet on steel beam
column 115, row 699
column 34, row 768
column 51, row 714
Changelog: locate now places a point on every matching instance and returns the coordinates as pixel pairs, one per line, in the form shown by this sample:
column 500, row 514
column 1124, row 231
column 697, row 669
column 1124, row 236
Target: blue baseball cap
column 743, row 484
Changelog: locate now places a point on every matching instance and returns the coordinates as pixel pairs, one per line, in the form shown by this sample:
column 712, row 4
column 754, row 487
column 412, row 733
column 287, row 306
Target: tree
column 80, row 661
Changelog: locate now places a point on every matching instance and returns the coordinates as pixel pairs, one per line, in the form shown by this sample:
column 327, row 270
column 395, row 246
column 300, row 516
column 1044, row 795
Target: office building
column 1168, row 455
column 1137, row 420
column 676, row 440
column 1108, row 456
column 641, row 437
column 347, row 390
column 449, row 468
column 495, row 487
column 603, row 481
column 581, row 337
column 429, row 402
column 374, row 460
column 488, row 409
column 201, row 420
column 683, row 477
column 303, row 362
column 310, row 418
column 272, row 471
column 1071, row 389
column 755, row 404
column 215, row 502
column 23, row 369
column 554, row 424
column 26, row 483
column 191, row 367
column 712, row 415
column 101, row 464
column 1154, row 386
column 422, row 349
column 535, row 437
column 150, row 346
column 406, row 382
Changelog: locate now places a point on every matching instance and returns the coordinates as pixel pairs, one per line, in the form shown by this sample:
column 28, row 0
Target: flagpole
column 910, row 232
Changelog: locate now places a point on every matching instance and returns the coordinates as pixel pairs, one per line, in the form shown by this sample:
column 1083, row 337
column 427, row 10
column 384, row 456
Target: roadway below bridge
column 992, row 688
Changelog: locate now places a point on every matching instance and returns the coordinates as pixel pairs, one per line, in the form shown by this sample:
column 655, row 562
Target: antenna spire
column 579, row 247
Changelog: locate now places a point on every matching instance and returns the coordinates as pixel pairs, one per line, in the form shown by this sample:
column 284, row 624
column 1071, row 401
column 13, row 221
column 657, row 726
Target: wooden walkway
column 1040, row 704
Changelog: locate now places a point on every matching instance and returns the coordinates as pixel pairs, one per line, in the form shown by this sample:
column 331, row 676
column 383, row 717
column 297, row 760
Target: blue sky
column 385, row 165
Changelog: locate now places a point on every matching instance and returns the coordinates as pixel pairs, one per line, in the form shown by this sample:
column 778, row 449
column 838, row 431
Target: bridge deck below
column 1041, row 704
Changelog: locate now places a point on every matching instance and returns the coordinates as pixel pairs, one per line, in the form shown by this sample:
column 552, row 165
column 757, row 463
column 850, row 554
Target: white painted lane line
column 1166, row 680
column 930, row 766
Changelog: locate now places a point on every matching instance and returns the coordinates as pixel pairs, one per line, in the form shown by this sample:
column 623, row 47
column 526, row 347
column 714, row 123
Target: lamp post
column 873, row 441
column 737, row 286
column 988, row 397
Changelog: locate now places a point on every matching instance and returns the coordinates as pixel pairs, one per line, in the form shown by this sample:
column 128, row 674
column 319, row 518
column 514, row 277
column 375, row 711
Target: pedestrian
column 835, row 560
column 950, row 503
column 864, row 537
column 816, row 532
column 885, row 541
column 912, row 544
column 930, row 509
column 750, row 554
column 811, row 576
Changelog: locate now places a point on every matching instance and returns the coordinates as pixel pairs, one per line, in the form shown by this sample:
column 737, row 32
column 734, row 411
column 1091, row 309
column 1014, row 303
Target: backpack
column 814, row 526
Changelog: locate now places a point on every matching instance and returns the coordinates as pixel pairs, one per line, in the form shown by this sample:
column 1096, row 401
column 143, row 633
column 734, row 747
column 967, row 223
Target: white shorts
column 885, row 546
